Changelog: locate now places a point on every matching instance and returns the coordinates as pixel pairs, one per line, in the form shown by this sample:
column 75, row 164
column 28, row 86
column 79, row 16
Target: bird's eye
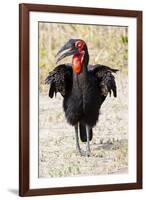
column 79, row 44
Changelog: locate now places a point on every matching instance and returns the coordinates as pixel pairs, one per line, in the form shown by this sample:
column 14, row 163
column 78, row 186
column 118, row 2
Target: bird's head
column 78, row 49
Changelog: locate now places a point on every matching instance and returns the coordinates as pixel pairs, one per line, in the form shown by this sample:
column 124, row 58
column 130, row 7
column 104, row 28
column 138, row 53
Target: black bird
column 84, row 88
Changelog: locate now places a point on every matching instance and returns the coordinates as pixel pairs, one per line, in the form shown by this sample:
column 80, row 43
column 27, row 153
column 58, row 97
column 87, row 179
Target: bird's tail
column 83, row 134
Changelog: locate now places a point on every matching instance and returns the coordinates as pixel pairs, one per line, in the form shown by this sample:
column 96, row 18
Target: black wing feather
column 52, row 90
column 105, row 78
column 60, row 80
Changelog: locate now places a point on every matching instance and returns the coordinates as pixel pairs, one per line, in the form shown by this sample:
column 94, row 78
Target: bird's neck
column 80, row 62
column 80, row 70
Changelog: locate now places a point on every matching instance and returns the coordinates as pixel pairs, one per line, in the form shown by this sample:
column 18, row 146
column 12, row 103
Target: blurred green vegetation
column 107, row 45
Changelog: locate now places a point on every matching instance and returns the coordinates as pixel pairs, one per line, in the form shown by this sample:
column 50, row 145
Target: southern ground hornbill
column 84, row 88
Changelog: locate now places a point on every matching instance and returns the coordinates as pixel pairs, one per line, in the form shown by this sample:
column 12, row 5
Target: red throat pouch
column 77, row 62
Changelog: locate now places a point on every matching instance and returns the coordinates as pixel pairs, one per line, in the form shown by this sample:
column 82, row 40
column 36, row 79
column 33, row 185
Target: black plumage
column 83, row 94
column 60, row 80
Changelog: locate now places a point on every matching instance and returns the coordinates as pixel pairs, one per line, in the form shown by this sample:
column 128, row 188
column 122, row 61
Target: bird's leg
column 77, row 141
column 88, row 151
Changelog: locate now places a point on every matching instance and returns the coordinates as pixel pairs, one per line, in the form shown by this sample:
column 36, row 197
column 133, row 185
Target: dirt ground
column 109, row 147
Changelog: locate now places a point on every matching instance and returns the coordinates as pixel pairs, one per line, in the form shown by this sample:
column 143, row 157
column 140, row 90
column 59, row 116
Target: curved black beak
column 70, row 47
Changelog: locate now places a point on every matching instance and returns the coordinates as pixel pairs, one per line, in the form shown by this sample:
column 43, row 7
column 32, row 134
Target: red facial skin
column 77, row 60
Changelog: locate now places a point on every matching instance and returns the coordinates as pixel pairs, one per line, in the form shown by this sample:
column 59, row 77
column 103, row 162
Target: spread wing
column 105, row 79
column 60, row 80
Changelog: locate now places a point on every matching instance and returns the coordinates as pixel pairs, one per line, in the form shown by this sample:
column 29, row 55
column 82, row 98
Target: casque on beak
column 70, row 47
